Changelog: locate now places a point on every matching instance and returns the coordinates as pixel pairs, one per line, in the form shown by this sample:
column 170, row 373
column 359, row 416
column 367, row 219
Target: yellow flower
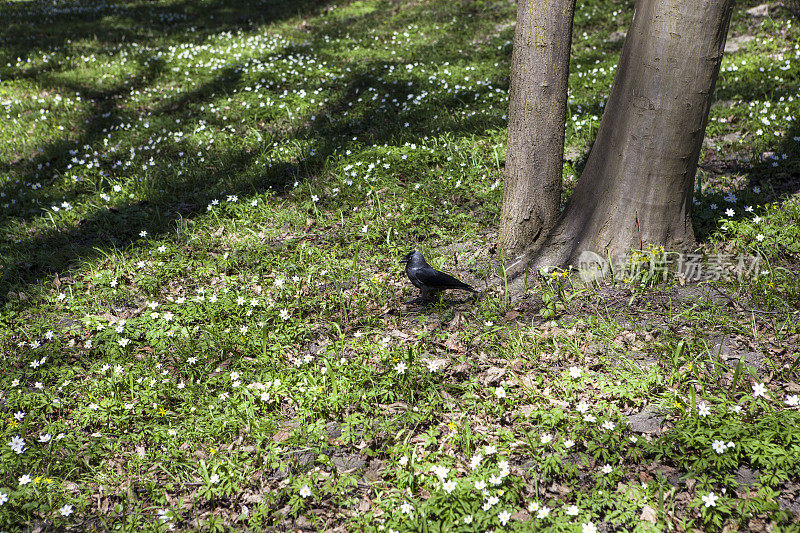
column 13, row 423
column 37, row 479
column 690, row 366
column 162, row 411
column 212, row 451
column 452, row 425
column 48, row 480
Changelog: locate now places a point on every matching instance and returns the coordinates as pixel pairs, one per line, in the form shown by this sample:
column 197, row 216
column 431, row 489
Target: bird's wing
column 439, row 280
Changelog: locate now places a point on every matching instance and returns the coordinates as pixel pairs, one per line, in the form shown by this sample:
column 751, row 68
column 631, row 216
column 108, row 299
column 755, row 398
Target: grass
column 202, row 208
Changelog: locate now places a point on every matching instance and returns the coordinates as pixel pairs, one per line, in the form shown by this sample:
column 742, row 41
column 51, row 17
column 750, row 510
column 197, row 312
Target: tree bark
column 636, row 188
column 537, row 112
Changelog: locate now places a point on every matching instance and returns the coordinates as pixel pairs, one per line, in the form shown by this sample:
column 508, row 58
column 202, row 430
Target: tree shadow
column 168, row 198
column 32, row 27
column 775, row 172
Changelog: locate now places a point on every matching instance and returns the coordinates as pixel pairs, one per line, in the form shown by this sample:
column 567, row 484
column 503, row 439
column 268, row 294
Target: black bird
column 429, row 280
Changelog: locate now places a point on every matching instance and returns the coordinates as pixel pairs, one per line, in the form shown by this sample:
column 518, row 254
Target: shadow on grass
column 167, row 198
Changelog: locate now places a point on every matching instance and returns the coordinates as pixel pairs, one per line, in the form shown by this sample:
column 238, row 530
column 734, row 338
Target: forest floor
column 203, row 206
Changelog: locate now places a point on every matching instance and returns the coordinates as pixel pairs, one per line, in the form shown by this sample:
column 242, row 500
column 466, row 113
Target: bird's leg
column 426, row 297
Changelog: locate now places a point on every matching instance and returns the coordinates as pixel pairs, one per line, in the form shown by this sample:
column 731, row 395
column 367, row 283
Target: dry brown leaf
column 648, row 515
column 281, row 435
column 453, row 345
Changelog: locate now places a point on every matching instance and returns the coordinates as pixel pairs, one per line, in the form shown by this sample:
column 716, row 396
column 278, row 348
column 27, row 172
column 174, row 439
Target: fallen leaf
column 281, row 435
column 648, row 515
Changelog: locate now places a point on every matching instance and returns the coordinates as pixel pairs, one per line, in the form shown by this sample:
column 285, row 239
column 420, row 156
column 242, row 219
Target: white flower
column 582, row 407
column 533, row 507
column 730, row 212
column 400, row 367
column 760, row 237
column 710, row 499
column 574, row 372
column 489, row 449
column 607, row 469
column 759, row 389
column 703, row 409
column 468, row 519
column 17, row 444
column 495, row 480
column 440, row 471
column 406, row 508
column 572, row 510
column 449, row 486
column 285, row 314
column 403, row 460
column 123, row 342
column 491, row 501
column 480, row 484
column 503, row 516
column 588, row 527
column 25, row 479
column 543, row 512
column 608, row 425
column 475, row 462
column 45, row 438
column 143, row 233
column 719, row 446
column 569, row 443
column 792, row 401
column 66, row 510
column 3, row 498
column 305, row 492
column 213, row 479
column 500, row 392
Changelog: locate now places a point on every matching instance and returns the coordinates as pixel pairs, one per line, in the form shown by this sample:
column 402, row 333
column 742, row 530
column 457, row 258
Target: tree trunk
column 537, row 112
column 636, row 188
